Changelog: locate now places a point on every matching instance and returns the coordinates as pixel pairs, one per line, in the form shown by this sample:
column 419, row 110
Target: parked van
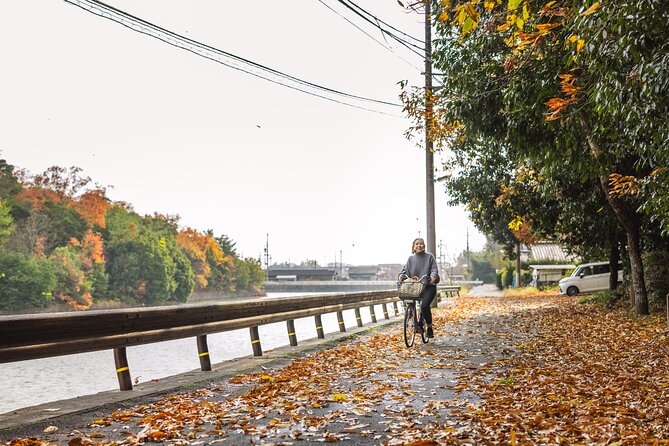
column 588, row 277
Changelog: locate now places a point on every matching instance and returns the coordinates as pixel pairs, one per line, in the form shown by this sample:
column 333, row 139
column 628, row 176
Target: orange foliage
column 92, row 206
column 93, row 249
column 192, row 243
column 38, row 197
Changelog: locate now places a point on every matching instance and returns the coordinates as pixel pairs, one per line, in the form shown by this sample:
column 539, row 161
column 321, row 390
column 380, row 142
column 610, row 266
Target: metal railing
column 33, row 336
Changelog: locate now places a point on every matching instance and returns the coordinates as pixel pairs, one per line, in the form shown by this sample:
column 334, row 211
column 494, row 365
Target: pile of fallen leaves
column 527, row 370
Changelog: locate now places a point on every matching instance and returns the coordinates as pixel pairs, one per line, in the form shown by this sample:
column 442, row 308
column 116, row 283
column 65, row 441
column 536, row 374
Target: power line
column 385, row 23
column 368, row 35
column 409, row 45
column 230, row 60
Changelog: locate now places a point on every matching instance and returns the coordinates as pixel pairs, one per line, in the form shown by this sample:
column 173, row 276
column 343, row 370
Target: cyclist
column 423, row 264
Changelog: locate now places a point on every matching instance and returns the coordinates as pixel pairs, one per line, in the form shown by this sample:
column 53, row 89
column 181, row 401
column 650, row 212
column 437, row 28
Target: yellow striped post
column 319, row 326
column 122, row 369
column 385, row 311
column 358, row 318
column 340, row 319
column 397, row 310
column 292, row 337
column 203, row 353
column 255, row 341
column 372, row 313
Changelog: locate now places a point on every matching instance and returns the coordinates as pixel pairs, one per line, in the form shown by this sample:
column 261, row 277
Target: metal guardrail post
column 358, row 318
column 319, row 326
column 122, row 369
column 372, row 313
column 397, row 310
column 385, row 311
column 292, row 337
column 203, row 353
column 340, row 319
column 255, row 341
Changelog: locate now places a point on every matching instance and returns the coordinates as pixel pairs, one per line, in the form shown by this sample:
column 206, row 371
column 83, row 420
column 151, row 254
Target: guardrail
column 33, row 336
column 449, row 290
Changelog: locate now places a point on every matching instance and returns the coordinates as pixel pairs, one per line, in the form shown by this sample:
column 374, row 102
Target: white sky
column 176, row 133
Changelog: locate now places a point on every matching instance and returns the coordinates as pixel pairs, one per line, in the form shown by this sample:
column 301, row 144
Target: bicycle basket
column 410, row 290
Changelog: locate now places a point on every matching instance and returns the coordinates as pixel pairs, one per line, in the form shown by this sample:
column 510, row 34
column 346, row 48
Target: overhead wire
column 388, row 47
column 422, row 42
column 232, row 61
column 410, row 46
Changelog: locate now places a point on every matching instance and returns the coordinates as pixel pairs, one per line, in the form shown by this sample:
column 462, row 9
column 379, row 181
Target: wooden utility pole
column 429, row 151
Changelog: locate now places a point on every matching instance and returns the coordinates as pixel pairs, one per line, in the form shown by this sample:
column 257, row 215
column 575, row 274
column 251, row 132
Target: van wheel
column 572, row 291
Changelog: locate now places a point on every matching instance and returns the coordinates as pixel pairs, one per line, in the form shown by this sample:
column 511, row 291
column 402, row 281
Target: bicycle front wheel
column 421, row 324
column 409, row 324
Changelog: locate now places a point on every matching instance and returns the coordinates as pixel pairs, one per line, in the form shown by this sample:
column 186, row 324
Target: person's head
column 418, row 245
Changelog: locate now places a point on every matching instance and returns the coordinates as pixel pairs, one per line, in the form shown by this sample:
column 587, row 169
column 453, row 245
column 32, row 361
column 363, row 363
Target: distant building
column 299, row 273
column 547, row 251
column 370, row 272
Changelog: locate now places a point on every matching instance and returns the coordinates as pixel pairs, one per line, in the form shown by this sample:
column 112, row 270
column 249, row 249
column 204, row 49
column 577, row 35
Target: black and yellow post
column 203, row 353
column 340, row 319
column 122, row 369
column 292, row 337
column 255, row 341
column 385, row 312
column 397, row 310
column 372, row 313
column 319, row 327
column 358, row 318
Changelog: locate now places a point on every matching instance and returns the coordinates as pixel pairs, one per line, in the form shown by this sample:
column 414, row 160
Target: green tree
column 25, row 283
column 6, row 223
column 554, row 84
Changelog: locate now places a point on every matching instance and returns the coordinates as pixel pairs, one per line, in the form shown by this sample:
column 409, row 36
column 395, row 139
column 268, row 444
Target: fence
column 33, row 336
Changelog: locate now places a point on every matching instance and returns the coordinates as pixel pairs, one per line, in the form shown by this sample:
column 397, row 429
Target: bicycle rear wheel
column 409, row 323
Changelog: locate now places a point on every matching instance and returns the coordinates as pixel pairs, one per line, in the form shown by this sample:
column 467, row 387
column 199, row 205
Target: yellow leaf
column 503, row 27
column 526, row 12
column 513, row 4
column 520, row 23
column 595, row 6
column 339, row 397
column 443, row 17
column 266, row 378
column 579, row 45
column 468, row 25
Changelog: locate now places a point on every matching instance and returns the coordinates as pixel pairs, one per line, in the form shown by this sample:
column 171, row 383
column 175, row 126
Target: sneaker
column 430, row 333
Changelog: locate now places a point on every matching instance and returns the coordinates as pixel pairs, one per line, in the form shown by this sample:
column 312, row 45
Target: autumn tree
column 554, row 81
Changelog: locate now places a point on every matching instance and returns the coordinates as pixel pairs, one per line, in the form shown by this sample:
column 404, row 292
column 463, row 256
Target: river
column 38, row 381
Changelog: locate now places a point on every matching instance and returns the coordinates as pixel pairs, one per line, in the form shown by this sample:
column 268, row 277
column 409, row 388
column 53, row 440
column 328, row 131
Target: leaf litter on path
column 524, row 370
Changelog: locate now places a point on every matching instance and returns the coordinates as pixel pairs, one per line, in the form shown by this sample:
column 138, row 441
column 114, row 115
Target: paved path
column 366, row 388
column 486, row 289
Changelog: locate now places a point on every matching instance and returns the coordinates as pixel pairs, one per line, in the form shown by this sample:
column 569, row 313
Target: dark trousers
column 428, row 296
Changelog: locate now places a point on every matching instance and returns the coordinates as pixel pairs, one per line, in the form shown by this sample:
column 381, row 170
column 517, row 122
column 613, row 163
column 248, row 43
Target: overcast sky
column 176, row 133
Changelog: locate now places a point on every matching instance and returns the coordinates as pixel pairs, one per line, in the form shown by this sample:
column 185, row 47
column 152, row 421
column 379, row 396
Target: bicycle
column 413, row 321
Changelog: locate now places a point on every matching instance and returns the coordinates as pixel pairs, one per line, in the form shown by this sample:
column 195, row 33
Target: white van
column 588, row 277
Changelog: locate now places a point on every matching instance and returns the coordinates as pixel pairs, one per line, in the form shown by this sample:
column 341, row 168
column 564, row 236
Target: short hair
column 414, row 242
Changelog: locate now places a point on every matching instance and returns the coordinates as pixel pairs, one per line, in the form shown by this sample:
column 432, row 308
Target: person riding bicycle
column 423, row 264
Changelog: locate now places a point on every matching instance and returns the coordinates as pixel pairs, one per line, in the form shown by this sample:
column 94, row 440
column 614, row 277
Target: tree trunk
column 630, row 221
column 517, row 264
column 614, row 258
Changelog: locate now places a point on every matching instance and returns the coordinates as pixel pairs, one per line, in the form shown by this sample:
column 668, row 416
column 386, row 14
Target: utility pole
column 267, row 257
column 429, row 150
column 468, row 266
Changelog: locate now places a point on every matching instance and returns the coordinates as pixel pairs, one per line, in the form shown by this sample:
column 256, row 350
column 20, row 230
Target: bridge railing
column 33, row 336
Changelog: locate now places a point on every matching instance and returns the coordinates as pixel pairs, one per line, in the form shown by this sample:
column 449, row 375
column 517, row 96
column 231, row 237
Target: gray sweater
column 421, row 264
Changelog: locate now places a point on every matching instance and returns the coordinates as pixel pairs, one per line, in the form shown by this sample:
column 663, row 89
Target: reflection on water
column 28, row 383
